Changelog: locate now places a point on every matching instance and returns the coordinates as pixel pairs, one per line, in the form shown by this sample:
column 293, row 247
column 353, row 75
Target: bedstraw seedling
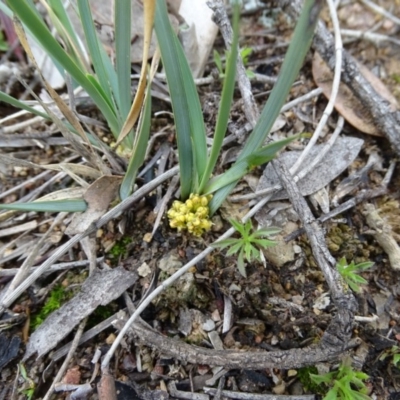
column 344, row 384
column 249, row 245
column 349, row 273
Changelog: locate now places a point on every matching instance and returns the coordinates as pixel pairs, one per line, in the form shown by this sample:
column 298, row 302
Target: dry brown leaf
column 356, row 16
column 99, row 195
column 149, row 11
column 72, row 376
column 346, row 103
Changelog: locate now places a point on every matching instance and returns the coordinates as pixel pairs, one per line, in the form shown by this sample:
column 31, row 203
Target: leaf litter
column 259, row 320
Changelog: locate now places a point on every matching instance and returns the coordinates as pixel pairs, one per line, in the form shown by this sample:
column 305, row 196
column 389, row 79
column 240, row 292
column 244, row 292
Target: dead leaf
column 102, row 287
column 72, row 376
column 282, row 252
column 346, row 103
column 99, row 195
column 338, row 158
column 356, row 16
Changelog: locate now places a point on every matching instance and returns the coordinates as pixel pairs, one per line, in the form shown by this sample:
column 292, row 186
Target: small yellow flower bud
column 183, row 209
column 206, row 224
column 202, row 212
column 195, row 200
column 171, row 213
column 189, row 204
column 181, row 218
column 176, row 204
column 204, row 201
column 191, row 215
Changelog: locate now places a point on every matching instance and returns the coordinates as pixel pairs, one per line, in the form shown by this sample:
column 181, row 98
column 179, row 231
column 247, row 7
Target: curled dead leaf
column 346, row 103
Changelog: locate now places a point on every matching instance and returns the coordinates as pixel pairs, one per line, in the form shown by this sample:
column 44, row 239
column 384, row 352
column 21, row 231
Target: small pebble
column 209, row 325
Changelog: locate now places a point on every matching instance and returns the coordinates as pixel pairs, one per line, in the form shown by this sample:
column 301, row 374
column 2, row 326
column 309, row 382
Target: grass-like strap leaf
column 190, row 129
column 94, row 46
column 72, row 205
column 225, row 103
column 294, row 58
column 122, row 25
column 19, row 104
column 139, row 149
column 30, row 18
column 241, row 168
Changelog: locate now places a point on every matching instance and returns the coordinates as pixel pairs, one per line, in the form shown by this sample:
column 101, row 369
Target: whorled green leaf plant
column 349, row 273
column 107, row 81
column 343, row 384
column 249, row 245
column 196, row 161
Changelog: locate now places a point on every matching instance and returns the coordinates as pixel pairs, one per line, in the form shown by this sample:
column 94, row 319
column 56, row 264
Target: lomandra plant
column 196, row 162
column 106, row 80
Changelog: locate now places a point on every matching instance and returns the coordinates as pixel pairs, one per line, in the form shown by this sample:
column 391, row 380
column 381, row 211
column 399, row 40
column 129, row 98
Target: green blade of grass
column 19, row 104
column 241, row 168
column 268, row 152
column 122, row 23
column 72, row 205
column 93, row 44
column 43, row 36
column 64, row 27
column 299, row 46
column 294, row 58
column 139, row 150
column 190, row 129
column 214, row 185
column 225, row 103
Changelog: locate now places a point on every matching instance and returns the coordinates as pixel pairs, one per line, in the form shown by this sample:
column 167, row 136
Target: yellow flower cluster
column 192, row 215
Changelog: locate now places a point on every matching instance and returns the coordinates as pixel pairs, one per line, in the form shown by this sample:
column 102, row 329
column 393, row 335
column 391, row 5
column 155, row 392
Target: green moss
column 309, row 386
column 56, row 298
column 120, row 247
column 396, row 78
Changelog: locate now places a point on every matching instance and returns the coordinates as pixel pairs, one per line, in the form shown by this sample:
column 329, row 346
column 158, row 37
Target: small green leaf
column 353, row 286
column 396, row 359
column 241, row 265
column 264, row 242
column 331, row 395
column 326, row 378
column 364, row 265
column 247, row 250
column 218, row 62
column 270, row 231
column 357, row 279
column 235, row 248
column 224, row 243
column 243, row 229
